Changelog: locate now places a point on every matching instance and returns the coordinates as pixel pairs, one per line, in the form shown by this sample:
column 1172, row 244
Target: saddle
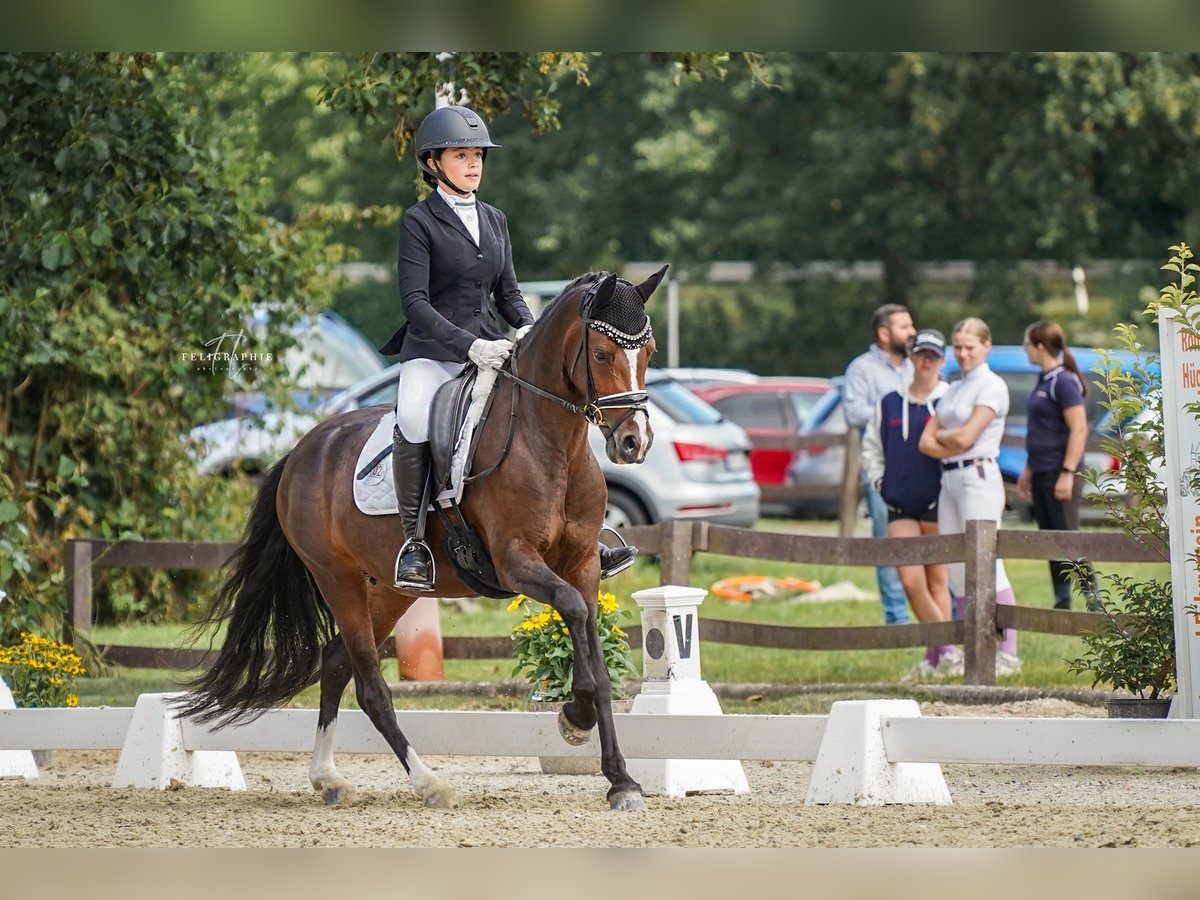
column 447, row 416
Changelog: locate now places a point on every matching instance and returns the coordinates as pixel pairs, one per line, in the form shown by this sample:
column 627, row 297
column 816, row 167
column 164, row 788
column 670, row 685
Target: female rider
column 455, row 260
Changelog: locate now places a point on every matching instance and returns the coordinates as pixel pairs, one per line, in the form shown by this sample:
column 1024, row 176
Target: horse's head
column 618, row 343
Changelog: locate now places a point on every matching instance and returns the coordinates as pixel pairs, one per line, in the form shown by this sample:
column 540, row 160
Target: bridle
column 593, row 409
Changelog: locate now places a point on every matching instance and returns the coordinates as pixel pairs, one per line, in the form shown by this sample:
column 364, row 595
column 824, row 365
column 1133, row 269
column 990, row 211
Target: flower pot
column 572, row 765
column 1137, row 708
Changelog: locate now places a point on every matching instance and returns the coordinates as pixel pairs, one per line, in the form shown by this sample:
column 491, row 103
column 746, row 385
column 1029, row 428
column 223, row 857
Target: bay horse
column 309, row 593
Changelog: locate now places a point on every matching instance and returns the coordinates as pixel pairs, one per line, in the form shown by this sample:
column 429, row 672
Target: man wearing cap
column 882, row 369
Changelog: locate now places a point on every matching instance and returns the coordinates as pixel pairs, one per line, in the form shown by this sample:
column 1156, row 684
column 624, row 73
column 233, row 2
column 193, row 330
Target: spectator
column 965, row 435
column 909, row 483
column 882, row 369
column 1056, row 432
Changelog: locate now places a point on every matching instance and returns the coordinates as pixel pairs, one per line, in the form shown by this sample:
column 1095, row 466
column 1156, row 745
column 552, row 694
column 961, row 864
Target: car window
column 760, row 409
column 385, row 393
column 681, row 404
column 803, row 402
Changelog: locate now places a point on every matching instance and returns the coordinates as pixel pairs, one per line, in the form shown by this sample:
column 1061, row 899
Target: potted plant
column 1133, row 649
column 544, row 654
column 40, row 673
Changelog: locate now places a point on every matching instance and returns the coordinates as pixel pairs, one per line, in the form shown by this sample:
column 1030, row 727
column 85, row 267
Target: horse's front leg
column 624, row 793
column 591, row 691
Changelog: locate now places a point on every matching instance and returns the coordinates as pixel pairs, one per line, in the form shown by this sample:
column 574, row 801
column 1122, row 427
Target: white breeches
column 419, row 381
column 966, row 496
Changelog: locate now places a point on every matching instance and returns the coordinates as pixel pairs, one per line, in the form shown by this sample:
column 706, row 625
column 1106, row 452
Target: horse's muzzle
column 631, row 441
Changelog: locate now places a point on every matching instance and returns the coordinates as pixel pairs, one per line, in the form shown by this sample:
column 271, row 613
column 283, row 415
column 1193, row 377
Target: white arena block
column 15, row 763
column 671, row 685
column 155, row 754
column 852, row 765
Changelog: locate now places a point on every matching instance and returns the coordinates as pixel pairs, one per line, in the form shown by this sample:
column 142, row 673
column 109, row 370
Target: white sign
column 1181, row 434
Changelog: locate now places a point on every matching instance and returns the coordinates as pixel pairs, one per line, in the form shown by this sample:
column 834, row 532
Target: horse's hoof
column 571, row 734
column 442, row 797
column 341, row 795
column 627, row 801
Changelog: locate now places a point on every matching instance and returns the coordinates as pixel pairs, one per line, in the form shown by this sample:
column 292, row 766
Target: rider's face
column 463, row 166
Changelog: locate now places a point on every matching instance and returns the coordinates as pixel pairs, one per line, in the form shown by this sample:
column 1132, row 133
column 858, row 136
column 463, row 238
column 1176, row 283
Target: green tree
column 132, row 203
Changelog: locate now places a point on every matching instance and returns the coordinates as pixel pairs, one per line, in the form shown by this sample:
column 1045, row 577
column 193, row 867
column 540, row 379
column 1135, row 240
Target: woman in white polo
column 965, row 435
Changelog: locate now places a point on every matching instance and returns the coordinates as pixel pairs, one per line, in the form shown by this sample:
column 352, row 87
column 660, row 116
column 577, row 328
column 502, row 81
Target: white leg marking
column 323, row 774
column 427, row 785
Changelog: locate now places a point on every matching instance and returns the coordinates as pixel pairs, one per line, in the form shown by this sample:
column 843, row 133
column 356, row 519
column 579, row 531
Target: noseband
column 593, row 410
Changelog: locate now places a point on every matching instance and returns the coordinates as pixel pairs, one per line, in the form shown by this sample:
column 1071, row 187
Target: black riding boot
column 616, row 559
column 410, row 468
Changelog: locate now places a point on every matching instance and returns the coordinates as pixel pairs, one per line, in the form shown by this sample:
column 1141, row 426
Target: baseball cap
column 931, row 340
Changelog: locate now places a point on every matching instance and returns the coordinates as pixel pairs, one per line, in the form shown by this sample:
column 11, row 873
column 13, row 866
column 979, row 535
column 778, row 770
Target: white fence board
column 90, row 728
column 498, row 733
column 1045, row 742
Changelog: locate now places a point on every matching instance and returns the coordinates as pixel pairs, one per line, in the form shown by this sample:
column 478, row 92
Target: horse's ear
column 604, row 291
column 646, row 288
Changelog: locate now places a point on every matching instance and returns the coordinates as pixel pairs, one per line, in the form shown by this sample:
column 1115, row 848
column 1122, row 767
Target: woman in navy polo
column 1056, row 433
column 909, row 483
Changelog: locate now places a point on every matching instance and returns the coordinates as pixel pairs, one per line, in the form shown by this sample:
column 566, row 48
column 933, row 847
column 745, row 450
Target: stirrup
column 622, row 563
column 409, row 583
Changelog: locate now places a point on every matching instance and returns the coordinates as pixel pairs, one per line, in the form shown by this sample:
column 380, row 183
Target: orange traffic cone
column 419, row 642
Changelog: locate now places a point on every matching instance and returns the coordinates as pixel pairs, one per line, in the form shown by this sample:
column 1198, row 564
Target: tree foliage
column 131, row 202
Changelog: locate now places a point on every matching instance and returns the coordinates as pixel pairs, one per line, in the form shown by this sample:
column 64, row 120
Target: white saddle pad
column 375, row 491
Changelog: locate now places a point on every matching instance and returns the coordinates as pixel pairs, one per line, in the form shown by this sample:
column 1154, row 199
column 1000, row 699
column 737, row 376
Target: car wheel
column 623, row 510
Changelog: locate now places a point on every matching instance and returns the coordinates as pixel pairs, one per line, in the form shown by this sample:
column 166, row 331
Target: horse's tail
column 277, row 623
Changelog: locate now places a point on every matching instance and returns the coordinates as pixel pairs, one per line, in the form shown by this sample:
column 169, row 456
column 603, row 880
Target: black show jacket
column 447, row 283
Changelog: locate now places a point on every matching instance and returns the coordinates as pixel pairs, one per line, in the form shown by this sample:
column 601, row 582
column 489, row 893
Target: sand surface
column 509, row 802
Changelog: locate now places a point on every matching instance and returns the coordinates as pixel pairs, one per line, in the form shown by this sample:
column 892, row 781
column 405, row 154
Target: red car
column 769, row 407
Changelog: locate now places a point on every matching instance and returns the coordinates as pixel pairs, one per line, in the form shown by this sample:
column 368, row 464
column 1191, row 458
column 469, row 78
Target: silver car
column 697, row 468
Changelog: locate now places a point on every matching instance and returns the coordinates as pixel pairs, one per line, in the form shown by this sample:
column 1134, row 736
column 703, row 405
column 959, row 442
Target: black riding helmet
column 450, row 126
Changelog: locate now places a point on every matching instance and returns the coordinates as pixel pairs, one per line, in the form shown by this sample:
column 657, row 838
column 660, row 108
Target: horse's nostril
column 630, row 444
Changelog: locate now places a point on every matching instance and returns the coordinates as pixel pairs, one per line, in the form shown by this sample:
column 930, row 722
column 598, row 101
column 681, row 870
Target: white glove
column 490, row 354
column 521, row 332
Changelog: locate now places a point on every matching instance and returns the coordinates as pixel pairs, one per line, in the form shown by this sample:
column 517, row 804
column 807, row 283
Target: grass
column 1043, row 656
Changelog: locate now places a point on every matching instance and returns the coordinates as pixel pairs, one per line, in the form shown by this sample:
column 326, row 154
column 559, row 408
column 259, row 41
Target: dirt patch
column 508, row 802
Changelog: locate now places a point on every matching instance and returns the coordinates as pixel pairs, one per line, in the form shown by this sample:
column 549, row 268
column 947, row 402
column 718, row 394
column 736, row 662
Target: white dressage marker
column 15, row 763
column 154, row 753
column 852, row 765
column 671, row 685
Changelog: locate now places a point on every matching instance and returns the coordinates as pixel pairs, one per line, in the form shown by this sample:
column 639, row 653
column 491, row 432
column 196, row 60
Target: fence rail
column 675, row 543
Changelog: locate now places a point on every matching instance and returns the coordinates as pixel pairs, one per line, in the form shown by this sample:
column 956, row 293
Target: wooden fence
column 675, row 543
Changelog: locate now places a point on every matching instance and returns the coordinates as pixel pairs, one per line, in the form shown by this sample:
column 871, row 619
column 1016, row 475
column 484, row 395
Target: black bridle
column 593, row 410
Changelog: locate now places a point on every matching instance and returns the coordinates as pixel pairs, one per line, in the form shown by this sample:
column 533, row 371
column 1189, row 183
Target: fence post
column 77, row 579
column 675, row 560
column 979, row 616
column 851, row 487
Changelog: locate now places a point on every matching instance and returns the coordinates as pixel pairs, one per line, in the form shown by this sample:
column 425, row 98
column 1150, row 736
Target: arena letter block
column 671, row 684
column 154, row 754
column 15, row 763
column 852, row 765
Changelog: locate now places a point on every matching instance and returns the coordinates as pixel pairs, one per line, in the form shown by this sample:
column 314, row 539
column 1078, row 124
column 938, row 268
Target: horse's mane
column 557, row 302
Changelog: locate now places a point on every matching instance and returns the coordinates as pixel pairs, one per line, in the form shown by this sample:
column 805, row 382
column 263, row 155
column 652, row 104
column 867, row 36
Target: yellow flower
column 516, row 604
column 72, row 700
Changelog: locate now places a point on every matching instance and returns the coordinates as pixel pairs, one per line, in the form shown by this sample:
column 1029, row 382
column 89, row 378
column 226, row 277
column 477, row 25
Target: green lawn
column 1043, row 655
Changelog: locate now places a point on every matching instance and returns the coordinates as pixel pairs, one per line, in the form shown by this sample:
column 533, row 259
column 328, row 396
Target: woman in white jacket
column 909, row 483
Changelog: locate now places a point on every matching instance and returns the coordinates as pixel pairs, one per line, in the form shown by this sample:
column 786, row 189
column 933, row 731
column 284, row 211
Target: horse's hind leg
column 322, row 773
column 375, row 698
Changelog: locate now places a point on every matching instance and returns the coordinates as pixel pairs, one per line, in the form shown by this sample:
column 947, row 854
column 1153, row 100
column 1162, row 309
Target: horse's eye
column 601, row 356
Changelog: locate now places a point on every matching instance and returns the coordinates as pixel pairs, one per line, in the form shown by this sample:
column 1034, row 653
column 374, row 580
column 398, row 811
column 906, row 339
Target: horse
column 309, row 592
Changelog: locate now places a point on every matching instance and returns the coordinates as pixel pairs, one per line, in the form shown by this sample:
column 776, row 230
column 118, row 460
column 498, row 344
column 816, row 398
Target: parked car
column 820, row 470
column 769, row 409
column 697, row 468
column 823, row 468
column 330, row 354
column 693, row 376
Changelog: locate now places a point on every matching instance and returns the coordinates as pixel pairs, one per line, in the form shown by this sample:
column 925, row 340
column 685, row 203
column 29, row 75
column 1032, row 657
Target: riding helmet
column 449, row 126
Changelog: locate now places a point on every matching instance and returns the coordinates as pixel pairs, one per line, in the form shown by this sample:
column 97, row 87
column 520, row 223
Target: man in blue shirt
column 882, row 369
